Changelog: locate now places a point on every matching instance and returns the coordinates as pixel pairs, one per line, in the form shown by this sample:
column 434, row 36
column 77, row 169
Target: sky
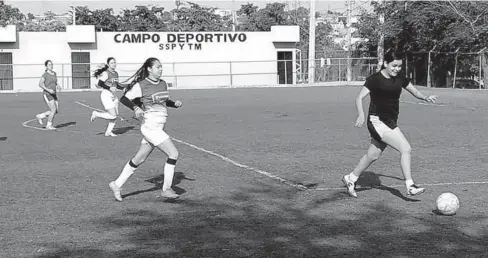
column 39, row 7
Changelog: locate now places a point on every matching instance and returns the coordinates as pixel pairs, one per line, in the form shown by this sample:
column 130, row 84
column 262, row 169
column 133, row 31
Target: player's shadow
column 3, row 138
column 122, row 130
column 369, row 180
column 65, row 124
column 158, row 184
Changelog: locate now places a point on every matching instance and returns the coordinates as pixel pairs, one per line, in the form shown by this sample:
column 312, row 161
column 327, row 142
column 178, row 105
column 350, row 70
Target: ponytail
column 141, row 73
column 100, row 70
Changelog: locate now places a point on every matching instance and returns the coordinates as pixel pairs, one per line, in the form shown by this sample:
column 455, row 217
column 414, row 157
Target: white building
column 190, row 59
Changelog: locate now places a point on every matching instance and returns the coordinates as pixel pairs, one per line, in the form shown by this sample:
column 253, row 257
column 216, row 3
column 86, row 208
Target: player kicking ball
column 385, row 88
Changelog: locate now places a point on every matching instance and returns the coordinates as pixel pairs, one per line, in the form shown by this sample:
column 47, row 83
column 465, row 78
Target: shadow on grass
column 65, row 124
column 122, row 130
column 263, row 221
column 370, row 180
column 158, row 184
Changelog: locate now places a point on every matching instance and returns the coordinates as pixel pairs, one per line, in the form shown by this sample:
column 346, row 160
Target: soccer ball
column 447, row 204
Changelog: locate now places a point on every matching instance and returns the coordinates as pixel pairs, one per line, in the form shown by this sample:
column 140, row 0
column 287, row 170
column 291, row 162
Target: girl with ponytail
column 153, row 94
column 108, row 80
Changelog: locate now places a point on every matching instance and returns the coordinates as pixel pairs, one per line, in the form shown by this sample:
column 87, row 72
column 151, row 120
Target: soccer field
column 245, row 157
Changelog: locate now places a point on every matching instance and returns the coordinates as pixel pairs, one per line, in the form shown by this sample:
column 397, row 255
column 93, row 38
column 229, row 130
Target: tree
column 421, row 25
column 103, row 19
column 199, row 18
column 11, row 16
column 143, row 18
column 254, row 19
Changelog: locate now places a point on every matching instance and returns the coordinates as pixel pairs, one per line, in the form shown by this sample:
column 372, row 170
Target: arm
column 173, row 104
column 101, row 81
column 359, row 106
column 127, row 102
column 121, row 86
column 416, row 93
column 359, row 100
column 102, row 85
column 128, row 99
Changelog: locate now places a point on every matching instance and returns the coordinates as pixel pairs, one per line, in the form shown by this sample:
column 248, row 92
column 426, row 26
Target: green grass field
column 235, row 146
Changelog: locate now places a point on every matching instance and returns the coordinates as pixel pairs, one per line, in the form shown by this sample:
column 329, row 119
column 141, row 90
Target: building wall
column 187, row 63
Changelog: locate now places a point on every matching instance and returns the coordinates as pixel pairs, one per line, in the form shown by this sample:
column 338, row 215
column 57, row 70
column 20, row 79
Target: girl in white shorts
column 108, row 80
column 153, row 96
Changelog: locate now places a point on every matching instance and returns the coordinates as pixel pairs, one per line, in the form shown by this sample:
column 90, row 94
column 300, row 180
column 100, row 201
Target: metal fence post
column 62, row 76
column 286, row 77
column 230, row 74
column 176, row 77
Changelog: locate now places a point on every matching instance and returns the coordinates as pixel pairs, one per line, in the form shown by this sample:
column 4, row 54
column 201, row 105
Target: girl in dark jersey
column 148, row 96
column 108, row 80
column 384, row 89
column 49, row 84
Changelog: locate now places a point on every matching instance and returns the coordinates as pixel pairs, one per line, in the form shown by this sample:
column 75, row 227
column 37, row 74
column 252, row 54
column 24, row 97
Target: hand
column 51, row 91
column 178, row 104
column 431, row 98
column 138, row 112
column 360, row 121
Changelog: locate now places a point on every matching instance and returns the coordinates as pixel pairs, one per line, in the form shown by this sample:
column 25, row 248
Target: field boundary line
column 403, row 185
column 229, row 160
column 237, row 164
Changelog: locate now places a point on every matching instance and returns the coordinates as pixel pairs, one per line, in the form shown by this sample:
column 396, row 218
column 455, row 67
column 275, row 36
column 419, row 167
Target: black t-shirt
column 385, row 95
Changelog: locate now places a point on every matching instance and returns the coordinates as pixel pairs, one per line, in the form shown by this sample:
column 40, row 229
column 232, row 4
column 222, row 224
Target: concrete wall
column 190, row 60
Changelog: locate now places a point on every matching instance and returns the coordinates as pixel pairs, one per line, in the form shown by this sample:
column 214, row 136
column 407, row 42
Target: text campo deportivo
column 181, row 41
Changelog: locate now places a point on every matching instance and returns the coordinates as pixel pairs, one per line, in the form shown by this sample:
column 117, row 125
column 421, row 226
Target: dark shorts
column 377, row 126
column 48, row 96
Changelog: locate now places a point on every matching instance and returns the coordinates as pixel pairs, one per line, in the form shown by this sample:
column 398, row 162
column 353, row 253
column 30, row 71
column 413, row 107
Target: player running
column 108, row 80
column 49, row 84
column 385, row 88
column 154, row 98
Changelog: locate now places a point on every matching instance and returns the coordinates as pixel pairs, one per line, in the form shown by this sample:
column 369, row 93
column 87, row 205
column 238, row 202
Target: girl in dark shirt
column 385, row 88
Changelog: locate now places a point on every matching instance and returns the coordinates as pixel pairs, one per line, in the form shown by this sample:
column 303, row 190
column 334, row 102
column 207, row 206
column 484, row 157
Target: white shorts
column 153, row 135
column 109, row 100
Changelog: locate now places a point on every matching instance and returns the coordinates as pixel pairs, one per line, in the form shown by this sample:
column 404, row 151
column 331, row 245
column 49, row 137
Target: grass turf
column 55, row 200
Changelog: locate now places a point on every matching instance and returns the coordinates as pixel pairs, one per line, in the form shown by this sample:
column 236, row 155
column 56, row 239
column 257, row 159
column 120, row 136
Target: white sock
column 169, row 172
column 409, row 182
column 49, row 124
column 353, row 177
column 104, row 115
column 110, row 127
column 126, row 173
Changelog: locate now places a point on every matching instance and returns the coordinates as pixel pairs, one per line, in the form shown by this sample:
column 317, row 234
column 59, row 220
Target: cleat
column 39, row 119
column 110, row 134
column 93, row 117
column 414, row 190
column 350, row 186
column 116, row 190
column 169, row 194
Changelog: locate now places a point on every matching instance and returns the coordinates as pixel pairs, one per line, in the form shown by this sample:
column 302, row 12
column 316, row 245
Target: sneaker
column 169, row 194
column 414, row 190
column 39, row 119
column 350, row 185
column 50, row 127
column 110, row 134
column 93, row 116
column 116, row 191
